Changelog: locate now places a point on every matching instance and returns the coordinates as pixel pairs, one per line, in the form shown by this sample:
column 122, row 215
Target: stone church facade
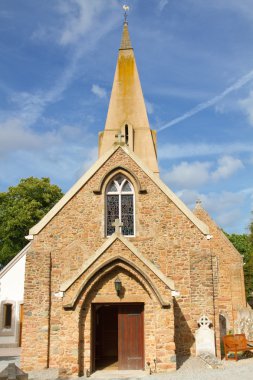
column 120, row 270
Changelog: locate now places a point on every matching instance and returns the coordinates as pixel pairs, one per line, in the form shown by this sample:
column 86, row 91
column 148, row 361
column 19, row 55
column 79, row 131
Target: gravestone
column 204, row 337
column 244, row 323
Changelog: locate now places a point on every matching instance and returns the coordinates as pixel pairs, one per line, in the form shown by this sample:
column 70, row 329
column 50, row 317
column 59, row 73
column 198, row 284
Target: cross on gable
column 119, row 136
column 117, row 224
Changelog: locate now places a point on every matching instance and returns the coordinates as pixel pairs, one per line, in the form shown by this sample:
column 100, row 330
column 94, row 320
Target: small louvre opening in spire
column 126, row 134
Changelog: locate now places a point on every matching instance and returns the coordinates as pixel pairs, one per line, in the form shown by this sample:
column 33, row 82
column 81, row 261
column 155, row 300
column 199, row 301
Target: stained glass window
column 112, row 212
column 127, row 187
column 113, row 187
column 120, row 205
column 127, row 214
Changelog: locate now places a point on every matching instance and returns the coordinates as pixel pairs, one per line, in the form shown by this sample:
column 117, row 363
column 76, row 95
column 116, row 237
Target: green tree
column 244, row 244
column 251, row 231
column 21, row 207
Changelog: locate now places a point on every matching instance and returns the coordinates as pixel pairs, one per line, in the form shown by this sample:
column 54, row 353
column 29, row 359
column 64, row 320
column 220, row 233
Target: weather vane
column 126, row 9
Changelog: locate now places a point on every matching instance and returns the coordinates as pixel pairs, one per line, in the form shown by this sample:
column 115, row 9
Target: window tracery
column 120, row 205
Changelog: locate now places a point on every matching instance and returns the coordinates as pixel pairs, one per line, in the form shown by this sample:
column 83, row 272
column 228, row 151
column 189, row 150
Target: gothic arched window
column 120, row 205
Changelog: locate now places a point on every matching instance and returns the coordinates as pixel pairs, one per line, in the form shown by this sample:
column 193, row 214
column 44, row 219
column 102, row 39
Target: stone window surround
column 3, row 330
column 117, row 170
column 119, row 194
column 137, row 188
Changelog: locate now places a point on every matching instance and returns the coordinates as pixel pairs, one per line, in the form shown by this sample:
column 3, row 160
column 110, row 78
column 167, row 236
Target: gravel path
column 191, row 369
column 195, row 369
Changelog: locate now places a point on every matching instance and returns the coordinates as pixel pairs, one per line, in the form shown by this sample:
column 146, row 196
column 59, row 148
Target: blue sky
column 195, row 61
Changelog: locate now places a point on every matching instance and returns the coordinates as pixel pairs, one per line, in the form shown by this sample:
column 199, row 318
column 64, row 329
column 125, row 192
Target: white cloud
column 98, row 91
column 15, row 136
column 226, row 207
column 83, row 29
column 247, row 106
column 189, row 196
column 211, row 102
column 30, row 107
column 194, row 174
column 225, row 200
column 214, row 202
column 188, row 175
column 172, row 151
column 62, row 154
column 162, row 4
column 80, row 15
column 78, row 21
column 149, row 107
column 19, row 139
column 227, row 166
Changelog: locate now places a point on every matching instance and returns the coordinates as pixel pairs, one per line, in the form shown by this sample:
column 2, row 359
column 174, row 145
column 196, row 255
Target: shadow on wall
column 83, row 315
column 224, row 327
column 250, row 302
column 184, row 339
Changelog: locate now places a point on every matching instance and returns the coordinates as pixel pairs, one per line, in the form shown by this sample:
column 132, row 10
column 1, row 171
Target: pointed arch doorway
column 118, row 336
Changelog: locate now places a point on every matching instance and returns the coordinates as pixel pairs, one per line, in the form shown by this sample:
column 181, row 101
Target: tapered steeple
column 127, row 113
column 125, row 40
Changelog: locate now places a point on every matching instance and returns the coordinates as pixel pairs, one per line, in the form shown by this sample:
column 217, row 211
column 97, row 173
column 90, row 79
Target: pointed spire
column 127, row 115
column 125, row 40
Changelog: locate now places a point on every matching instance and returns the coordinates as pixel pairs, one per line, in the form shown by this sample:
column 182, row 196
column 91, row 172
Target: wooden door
column 130, row 337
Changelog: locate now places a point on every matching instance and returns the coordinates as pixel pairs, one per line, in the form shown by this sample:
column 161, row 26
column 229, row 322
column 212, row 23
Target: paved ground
column 194, row 369
column 191, row 369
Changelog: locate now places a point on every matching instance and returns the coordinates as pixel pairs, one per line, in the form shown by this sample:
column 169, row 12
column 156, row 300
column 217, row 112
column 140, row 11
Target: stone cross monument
column 204, row 337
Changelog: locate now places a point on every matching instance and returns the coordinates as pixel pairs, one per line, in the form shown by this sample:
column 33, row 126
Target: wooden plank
column 131, row 337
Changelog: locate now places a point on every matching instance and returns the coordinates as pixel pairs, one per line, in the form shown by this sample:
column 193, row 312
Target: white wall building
column 12, row 279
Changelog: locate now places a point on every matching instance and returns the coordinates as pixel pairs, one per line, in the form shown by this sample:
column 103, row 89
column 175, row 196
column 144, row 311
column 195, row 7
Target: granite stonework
column 170, row 246
column 57, row 337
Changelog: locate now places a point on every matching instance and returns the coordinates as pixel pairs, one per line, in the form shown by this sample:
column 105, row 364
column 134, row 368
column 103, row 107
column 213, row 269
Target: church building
column 119, row 272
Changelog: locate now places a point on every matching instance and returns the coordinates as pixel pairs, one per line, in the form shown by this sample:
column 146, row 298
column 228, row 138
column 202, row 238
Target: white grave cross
column 204, row 321
column 117, row 224
column 204, row 337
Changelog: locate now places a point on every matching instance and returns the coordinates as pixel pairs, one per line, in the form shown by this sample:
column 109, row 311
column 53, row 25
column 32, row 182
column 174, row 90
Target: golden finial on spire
column 126, row 9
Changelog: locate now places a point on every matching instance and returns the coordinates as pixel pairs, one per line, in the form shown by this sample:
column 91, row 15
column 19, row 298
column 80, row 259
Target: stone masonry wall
column 164, row 235
column 229, row 277
column 74, row 326
column 36, row 309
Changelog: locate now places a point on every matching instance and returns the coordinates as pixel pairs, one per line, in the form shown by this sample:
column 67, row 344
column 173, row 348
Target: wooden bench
column 236, row 343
